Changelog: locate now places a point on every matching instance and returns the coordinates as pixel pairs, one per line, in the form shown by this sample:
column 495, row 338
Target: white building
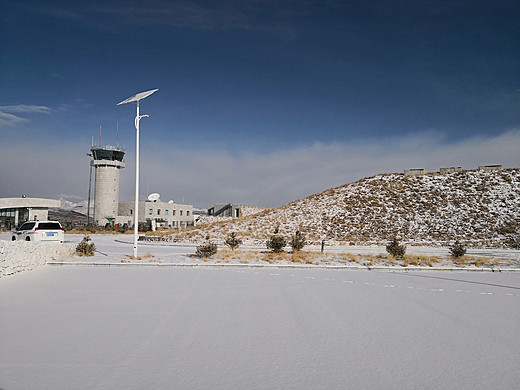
column 157, row 213
column 15, row 211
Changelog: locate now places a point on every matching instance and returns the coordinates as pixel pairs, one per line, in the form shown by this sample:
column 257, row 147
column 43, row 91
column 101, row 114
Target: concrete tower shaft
column 107, row 161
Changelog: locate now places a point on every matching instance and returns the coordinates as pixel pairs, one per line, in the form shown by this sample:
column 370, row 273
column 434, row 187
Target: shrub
column 276, row 243
column 233, row 241
column 206, row 250
column 457, row 250
column 297, row 241
column 84, row 248
column 395, row 249
column 513, row 241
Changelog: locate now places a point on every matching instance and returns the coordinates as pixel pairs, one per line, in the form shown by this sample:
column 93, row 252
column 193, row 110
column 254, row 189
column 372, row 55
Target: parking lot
column 191, row 328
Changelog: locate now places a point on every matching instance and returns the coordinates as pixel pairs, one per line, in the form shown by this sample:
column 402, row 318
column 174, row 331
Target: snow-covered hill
column 473, row 205
column 79, row 206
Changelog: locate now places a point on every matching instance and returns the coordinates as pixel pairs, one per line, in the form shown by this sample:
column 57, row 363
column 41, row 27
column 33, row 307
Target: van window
column 27, row 226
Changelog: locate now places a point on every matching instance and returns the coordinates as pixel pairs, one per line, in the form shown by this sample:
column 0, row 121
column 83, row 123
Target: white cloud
column 9, row 119
column 27, row 109
column 276, row 178
column 269, row 179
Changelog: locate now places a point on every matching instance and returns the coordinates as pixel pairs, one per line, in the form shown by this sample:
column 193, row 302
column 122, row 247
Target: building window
column 131, row 211
column 188, row 213
column 180, row 213
column 173, row 212
column 150, row 211
column 165, row 212
column 158, row 211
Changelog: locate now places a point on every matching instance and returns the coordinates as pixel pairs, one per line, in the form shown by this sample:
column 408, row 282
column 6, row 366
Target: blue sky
column 259, row 102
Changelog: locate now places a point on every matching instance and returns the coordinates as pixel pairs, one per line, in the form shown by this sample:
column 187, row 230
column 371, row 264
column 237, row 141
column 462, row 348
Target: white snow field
column 117, row 249
column 78, row 327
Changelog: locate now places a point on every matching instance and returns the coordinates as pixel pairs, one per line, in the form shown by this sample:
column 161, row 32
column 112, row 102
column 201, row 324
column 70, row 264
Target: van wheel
column 28, row 239
column 13, row 238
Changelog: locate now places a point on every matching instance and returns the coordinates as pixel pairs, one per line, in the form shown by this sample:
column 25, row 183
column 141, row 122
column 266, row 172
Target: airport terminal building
column 15, row 211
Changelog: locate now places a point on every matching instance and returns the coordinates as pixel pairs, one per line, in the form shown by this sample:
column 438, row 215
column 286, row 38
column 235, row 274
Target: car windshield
column 27, row 226
column 49, row 226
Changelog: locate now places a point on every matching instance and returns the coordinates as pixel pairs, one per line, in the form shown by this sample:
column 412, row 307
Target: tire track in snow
column 386, row 285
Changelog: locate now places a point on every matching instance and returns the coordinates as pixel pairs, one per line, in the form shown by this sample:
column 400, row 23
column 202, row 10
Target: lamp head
column 138, row 96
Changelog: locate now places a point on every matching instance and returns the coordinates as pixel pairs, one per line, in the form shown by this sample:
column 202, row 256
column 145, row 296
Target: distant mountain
column 470, row 206
column 67, row 217
column 70, row 212
column 79, row 207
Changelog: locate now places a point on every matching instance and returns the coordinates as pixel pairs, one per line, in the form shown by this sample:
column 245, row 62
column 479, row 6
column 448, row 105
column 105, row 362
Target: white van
column 39, row 231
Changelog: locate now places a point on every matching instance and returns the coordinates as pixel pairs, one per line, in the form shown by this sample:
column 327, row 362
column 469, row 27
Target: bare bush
column 85, row 247
column 457, row 250
column 395, row 249
column 233, row 241
column 206, row 250
column 276, row 243
column 297, row 241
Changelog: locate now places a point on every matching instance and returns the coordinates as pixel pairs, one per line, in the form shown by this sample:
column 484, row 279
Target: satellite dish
column 170, row 202
column 154, row 197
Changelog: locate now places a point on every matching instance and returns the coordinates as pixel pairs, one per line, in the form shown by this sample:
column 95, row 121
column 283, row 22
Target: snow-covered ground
column 90, row 328
column 118, row 249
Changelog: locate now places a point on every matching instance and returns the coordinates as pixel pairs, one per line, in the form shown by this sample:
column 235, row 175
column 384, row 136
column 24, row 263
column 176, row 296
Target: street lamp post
column 136, row 98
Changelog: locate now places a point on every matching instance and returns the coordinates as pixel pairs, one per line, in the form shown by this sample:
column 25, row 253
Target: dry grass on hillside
column 474, row 206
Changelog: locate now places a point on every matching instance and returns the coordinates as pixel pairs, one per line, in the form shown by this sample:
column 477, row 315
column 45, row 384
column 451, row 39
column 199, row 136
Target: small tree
column 512, row 240
column 206, row 250
column 395, row 249
column 84, row 248
column 233, row 241
column 457, row 250
column 276, row 243
column 297, row 241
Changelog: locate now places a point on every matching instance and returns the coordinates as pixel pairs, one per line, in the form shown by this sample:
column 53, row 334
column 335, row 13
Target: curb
column 293, row 266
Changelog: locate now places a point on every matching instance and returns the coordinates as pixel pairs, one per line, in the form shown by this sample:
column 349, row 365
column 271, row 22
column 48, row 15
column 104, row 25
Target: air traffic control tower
column 107, row 161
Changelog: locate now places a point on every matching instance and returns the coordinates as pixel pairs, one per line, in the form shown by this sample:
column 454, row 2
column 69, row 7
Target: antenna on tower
column 100, row 136
column 117, row 136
